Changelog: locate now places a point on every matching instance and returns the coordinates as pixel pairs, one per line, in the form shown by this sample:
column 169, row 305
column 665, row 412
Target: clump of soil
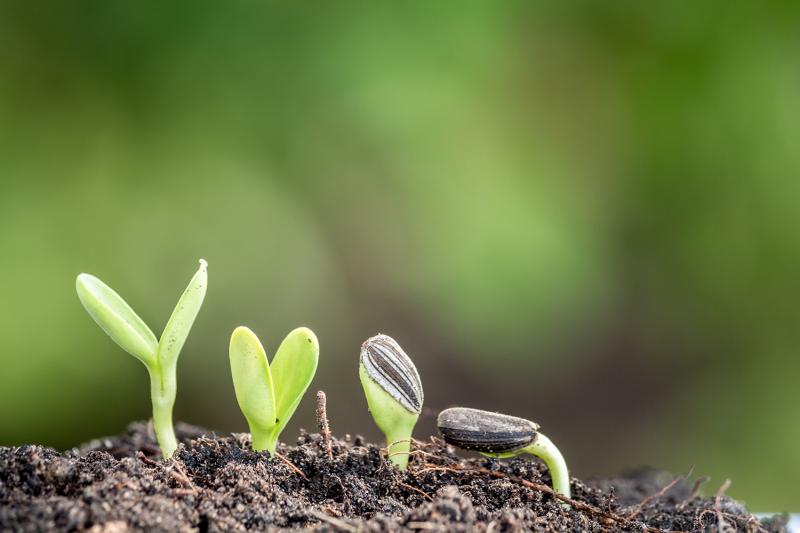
column 216, row 483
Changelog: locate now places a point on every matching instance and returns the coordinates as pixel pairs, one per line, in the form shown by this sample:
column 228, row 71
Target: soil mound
column 215, row 483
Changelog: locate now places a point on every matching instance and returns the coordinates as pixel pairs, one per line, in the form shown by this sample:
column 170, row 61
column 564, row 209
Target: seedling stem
column 162, row 393
column 544, row 449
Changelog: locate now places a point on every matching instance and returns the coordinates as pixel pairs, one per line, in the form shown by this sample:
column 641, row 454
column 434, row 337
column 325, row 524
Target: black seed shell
column 388, row 365
column 485, row 431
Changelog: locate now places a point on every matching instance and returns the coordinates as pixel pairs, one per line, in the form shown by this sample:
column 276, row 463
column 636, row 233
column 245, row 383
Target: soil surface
column 213, row 483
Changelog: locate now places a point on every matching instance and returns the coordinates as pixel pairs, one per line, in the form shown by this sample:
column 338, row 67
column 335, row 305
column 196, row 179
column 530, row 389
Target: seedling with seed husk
column 394, row 393
column 124, row 326
column 268, row 393
column 501, row 436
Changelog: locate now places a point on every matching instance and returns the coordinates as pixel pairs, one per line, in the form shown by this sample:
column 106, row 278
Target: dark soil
column 217, row 484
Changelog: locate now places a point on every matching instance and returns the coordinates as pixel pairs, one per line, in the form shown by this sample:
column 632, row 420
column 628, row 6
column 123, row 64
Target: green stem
column 398, row 445
column 544, row 448
column 263, row 440
column 162, row 394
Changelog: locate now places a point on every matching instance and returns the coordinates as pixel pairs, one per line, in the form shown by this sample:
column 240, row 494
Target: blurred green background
column 585, row 213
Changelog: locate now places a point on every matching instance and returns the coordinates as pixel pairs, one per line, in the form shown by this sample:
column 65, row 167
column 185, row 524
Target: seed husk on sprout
column 502, row 436
column 394, row 393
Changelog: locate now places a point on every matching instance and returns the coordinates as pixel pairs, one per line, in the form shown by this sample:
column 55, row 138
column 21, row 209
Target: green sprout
column 268, row 394
column 502, row 436
column 123, row 325
column 394, row 393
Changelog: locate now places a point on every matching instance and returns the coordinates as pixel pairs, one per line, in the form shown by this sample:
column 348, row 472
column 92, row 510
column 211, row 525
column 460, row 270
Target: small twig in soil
column 322, row 421
column 666, row 488
column 142, row 457
column 180, row 475
column 335, row 522
column 718, row 505
column 695, row 489
column 291, row 465
column 173, row 468
column 415, row 489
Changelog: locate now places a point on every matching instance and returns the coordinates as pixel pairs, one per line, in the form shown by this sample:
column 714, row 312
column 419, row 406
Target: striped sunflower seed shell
column 485, row 431
column 388, row 365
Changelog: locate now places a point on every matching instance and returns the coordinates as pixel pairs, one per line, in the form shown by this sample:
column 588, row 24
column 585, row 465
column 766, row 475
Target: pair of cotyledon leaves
column 124, row 326
column 268, row 393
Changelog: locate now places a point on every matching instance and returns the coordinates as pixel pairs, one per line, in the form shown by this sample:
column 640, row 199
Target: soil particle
column 216, row 484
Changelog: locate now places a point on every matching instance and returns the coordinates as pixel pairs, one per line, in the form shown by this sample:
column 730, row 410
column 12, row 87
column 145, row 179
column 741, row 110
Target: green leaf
column 117, row 319
column 252, row 380
column 293, row 368
column 180, row 323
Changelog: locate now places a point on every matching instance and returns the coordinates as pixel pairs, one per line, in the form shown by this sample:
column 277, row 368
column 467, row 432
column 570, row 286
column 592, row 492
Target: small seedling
column 394, row 393
column 497, row 435
column 268, row 394
column 124, row 326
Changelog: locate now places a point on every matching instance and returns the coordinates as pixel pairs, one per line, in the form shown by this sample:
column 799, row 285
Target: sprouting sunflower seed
column 485, row 431
column 394, row 394
column 388, row 365
column 503, row 436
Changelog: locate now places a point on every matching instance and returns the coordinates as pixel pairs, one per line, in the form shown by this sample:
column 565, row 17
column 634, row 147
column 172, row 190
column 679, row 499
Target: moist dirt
column 216, row 483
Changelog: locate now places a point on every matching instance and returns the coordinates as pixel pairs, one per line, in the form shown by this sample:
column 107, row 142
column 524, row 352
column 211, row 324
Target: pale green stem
column 163, row 387
column 263, row 440
column 398, row 446
column 544, row 448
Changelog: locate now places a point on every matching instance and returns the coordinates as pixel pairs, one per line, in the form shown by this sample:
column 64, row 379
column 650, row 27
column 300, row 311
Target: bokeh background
column 585, row 213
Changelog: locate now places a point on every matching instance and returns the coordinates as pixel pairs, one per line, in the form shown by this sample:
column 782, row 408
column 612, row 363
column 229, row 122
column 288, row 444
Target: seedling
column 394, row 393
column 124, row 326
column 268, row 394
column 497, row 435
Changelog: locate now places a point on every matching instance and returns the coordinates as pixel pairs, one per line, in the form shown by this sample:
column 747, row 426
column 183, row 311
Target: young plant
column 268, row 394
column 497, row 435
column 124, row 326
column 394, row 393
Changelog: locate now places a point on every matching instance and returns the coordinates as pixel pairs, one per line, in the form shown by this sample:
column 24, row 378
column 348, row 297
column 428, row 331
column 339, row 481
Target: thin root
column 695, row 489
column 666, row 488
column 721, row 524
column 177, row 471
column 291, row 465
column 415, row 489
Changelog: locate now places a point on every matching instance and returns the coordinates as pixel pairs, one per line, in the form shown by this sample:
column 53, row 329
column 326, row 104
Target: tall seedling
column 160, row 357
